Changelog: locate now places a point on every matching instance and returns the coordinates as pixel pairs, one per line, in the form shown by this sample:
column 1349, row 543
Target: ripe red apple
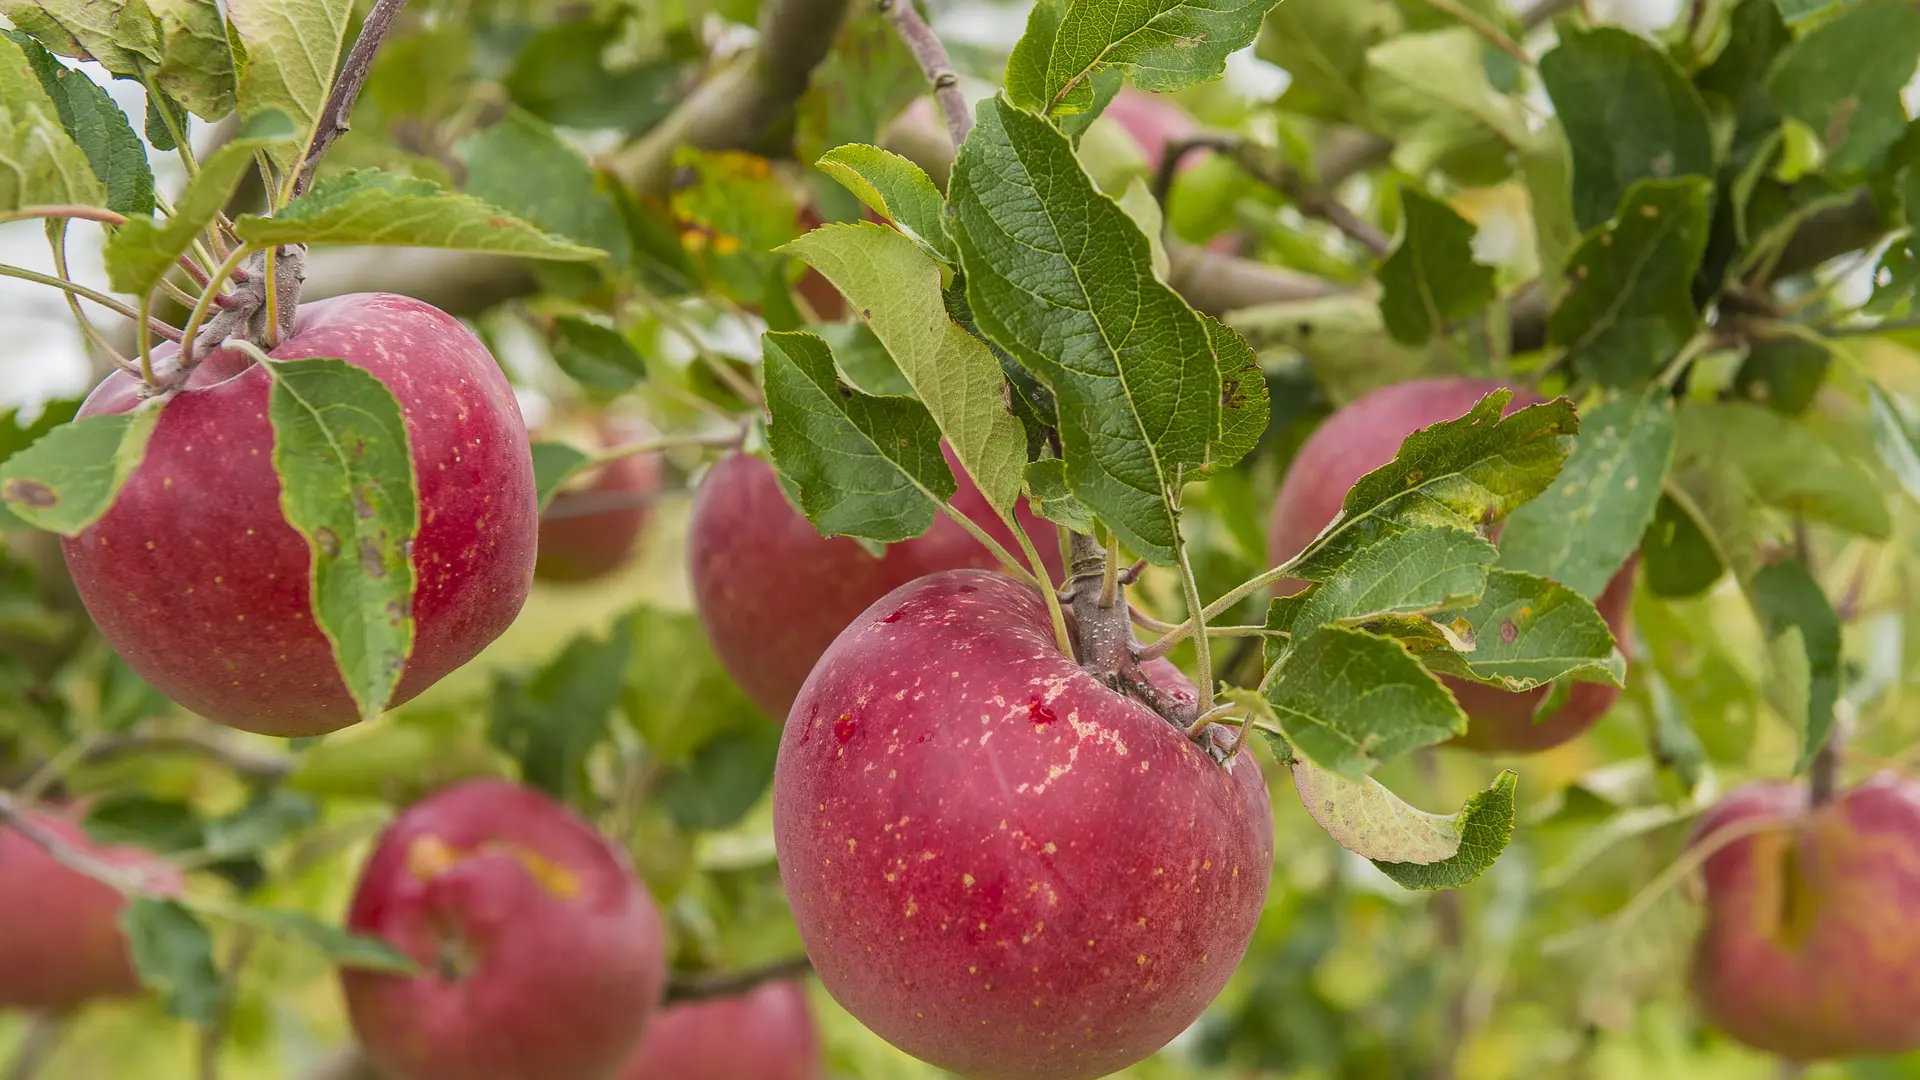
column 773, row 593
column 997, row 863
column 589, row 529
column 1812, row 943
column 1366, row 434
column 766, row 1033
column 199, row 583
column 60, row 945
column 541, row 954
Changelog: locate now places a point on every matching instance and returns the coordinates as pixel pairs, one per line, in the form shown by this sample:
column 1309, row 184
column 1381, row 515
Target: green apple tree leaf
column 1065, row 283
column 896, row 189
column 1580, row 530
column 1896, row 434
column 173, row 954
column 120, row 34
column 196, row 59
column 1422, row 569
column 1047, row 494
column 40, row 164
column 70, row 476
column 1431, row 279
column 723, row 779
column 1348, row 700
column 368, row 206
column 98, row 126
column 596, row 355
column 1629, row 114
column 1854, row 106
column 285, row 52
column 1676, row 556
column 144, row 250
column 1528, row 631
column 342, row 948
column 1429, row 92
column 1417, row 849
column 864, row 466
column 341, row 450
column 1163, row 44
column 1788, row 599
column 1457, row 474
column 1628, row 306
column 523, row 167
column 1323, row 44
column 1485, row 825
column 1787, row 465
column 894, row 286
column 1245, row 408
column 549, row 720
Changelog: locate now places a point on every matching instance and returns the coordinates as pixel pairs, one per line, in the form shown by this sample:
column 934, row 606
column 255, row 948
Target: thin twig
column 934, row 62
column 1263, row 164
column 727, row 983
column 57, row 240
column 334, row 116
column 246, row 763
column 96, row 296
column 13, row 812
column 1478, row 23
column 85, row 213
column 42, row 1039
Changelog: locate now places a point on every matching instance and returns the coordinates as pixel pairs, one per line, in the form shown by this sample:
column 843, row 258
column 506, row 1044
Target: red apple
column 773, row 593
column 997, row 863
column 199, row 583
column 766, row 1033
column 541, row 954
column 60, row 944
column 1366, row 434
column 589, row 529
column 1812, row 943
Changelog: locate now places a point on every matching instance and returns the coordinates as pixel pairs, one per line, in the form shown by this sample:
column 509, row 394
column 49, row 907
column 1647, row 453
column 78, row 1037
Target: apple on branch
column 766, row 1033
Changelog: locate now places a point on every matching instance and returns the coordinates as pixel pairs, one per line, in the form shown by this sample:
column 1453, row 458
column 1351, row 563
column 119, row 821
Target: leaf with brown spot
column 1528, row 631
column 70, row 476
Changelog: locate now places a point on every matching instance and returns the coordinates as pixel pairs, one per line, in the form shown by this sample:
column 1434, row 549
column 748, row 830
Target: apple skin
column 199, row 583
column 773, row 593
column 1828, row 966
column 541, row 954
column 60, row 943
column 767, row 1033
column 1366, row 434
column 1051, row 893
column 586, row 546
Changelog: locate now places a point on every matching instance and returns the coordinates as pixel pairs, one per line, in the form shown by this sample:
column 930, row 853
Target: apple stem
column 934, row 63
column 1107, row 650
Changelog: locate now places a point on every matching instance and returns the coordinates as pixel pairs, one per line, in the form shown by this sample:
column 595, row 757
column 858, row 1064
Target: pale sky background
column 43, row 357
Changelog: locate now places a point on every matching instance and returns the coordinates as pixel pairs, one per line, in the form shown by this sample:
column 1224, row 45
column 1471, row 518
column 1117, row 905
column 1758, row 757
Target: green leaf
column 1784, row 375
column 1323, row 44
column 1629, row 114
column 173, row 954
column 1244, row 405
column 863, row 360
column 144, row 250
column 401, row 758
column 160, row 109
column 120, row 34
column 724, row 779
column 1458, row 474
column 40, row 165
column 1786, row 464
column 196, row 60
column 549, row 722
column 896, row 189
column 1429, row 93
column 1065, row 283
column 1788, row 598
column 284, row 53
column 895, row 287
column 269, row 817
column 1432, row 280
column 1026, row 79
column 70, row 476
column 1629, row 305
column 1162, row 44
column 342, row 948
column 1048, row 496
column 1676, row 557
column 676, row 694
column 1895, row 424
column 1798, row 11
column 1853, row 106
column 1580, row 530
column 864, row 466
column 99, row 128
column 168, row 826
column 1348, row 701
column 340, row 448
column 733, row 211
column 553, row 463
column 521, row 166
column 597, row 355
column 1485, row 824
column 561, row 76
column 1433, row 568
column 1528, row 631
column 1138, row 201
column 1417, row 849
column 368, row 206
